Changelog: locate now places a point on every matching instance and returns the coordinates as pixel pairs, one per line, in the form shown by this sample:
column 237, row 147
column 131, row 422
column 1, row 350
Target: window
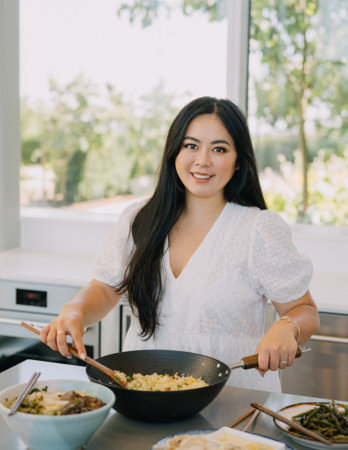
column 48, row 229
column 298, row 110
column 98, row 93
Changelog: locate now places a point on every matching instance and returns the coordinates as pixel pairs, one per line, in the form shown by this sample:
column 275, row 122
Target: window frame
column 10, row 149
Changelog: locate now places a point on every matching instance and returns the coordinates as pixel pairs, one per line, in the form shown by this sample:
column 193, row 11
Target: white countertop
column 329, row 289
column 67, row 269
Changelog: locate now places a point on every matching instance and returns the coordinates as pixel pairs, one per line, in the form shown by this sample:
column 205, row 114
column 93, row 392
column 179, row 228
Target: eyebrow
column 218, row 141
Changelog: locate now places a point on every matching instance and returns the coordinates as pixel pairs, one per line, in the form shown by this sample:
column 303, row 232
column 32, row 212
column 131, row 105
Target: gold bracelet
column 294, row 323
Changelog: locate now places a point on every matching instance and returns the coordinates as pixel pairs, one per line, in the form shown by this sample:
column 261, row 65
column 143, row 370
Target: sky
column 63, row 39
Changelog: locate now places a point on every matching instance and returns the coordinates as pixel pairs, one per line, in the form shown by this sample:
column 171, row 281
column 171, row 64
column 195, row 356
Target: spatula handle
column 32, row 327
column 251, row 362
column 109, row 372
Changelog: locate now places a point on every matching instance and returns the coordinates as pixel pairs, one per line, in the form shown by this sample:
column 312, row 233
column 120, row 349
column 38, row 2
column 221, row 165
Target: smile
column 200, row 176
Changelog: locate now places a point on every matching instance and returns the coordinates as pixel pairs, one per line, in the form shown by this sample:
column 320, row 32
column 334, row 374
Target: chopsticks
column 292, row 424
column 242, row 417
column 253, row 417
column 253, row 411
column 25, row 392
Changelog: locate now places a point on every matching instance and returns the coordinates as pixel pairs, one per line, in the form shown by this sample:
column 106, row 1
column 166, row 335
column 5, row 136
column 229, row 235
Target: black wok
column 154, row 406
column 164, row 406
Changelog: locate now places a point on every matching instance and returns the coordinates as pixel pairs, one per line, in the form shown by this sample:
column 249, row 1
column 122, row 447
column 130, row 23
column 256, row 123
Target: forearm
column 92, row 302
column 304, row 313
column 307, row 320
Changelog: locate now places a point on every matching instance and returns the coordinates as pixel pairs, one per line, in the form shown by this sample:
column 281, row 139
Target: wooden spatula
column 106, row 370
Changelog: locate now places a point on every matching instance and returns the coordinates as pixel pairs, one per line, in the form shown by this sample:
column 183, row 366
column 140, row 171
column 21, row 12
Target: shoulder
column 255, row 220
column 123, row 222
column 242, row 214
column 131, row 210
column 271, row 221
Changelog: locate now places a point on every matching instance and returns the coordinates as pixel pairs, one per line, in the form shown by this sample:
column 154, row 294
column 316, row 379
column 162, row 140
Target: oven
column 38, row 303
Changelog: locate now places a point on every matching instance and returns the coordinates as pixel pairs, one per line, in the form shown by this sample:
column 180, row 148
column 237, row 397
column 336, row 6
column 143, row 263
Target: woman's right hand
column 69, row 322
column 89, row 305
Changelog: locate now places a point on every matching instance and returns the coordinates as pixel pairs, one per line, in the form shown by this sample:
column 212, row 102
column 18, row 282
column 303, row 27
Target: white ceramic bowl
column 58, row 432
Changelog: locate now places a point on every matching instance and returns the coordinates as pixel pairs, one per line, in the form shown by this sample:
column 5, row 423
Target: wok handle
column 251, row 362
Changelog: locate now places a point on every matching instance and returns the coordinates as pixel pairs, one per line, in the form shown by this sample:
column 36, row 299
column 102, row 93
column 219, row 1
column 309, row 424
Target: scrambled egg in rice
column 156, row 382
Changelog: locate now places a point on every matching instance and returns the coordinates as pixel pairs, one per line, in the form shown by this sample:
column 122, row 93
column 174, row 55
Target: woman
column 200, row 258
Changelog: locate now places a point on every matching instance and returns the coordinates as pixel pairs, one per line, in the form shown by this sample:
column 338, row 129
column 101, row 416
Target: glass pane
column 99, row 92
column 298, row 109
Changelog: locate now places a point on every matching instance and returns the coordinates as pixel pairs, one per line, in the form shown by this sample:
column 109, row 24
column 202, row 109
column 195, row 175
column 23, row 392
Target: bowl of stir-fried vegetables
column 57, row 414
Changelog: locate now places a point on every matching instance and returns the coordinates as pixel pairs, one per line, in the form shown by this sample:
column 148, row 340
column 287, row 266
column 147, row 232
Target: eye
column 190, row 146
column 219, row 150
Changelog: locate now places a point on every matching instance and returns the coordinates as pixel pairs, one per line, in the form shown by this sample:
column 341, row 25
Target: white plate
column 208, row 431
column 297, row 408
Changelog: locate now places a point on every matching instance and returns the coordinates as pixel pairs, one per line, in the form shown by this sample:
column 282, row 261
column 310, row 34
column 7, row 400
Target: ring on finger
column 283, row 362
column 61, row 332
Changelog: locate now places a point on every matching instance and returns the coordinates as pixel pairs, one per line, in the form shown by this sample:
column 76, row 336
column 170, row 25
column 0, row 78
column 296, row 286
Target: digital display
column 31, row 298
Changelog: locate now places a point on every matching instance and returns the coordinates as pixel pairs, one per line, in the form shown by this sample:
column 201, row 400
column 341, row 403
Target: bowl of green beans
column 328, row 419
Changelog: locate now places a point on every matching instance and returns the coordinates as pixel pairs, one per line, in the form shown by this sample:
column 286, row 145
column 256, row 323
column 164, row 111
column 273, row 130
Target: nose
column 203, row 158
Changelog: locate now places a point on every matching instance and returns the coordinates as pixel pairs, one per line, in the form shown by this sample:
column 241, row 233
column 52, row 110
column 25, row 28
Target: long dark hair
column 143, row 282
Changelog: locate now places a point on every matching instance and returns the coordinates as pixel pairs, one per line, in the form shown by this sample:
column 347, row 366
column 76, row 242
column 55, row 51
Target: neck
column 208, row 207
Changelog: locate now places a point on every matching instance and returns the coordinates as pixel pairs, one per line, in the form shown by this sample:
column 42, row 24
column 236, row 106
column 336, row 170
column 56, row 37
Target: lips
column 201, row 176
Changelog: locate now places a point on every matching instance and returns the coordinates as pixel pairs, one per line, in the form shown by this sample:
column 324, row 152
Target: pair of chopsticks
column 253, row 411
column 296, row 426
column 27, row 388
column 257, row 407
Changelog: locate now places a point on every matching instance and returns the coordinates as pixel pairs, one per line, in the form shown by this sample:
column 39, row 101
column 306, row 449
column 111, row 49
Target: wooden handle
column 292, row 424
column 92, row 362
column 251, row 362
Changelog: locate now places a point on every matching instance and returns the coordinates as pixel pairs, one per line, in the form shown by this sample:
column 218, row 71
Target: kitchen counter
column 31, row 266
column 121, row 433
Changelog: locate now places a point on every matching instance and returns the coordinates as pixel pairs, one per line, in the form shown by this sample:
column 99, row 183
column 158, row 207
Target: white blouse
column 217, row 305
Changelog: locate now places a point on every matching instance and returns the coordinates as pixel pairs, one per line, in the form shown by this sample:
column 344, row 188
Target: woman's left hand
column 277, row 348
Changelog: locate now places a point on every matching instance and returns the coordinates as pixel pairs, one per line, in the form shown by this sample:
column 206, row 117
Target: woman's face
column 207, row 158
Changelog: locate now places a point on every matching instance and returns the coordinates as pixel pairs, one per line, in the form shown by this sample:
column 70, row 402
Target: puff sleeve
column 109, row 267
column 278, row 271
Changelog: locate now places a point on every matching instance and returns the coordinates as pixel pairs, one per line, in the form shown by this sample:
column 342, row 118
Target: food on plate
column 189, row 441
column 328, row 419
column 56, row 403
column 223, row 439
column 156, row 382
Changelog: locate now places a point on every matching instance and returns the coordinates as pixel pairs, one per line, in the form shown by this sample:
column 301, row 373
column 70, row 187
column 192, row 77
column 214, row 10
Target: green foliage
column 97, row 145
column 328, row 181
column 148, row 10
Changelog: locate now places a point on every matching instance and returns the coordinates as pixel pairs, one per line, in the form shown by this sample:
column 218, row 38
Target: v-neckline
column 198, row 249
